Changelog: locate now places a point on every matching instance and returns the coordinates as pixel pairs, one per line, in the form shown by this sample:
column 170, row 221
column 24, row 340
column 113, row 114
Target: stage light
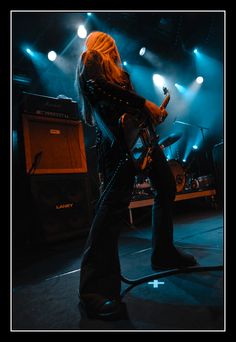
column 199, row 79
column 125, row 63
column 195, row 147
column 195, row 51
column 180, row 88
column 82, row 32
column 89, row 14
column 158, row 80
column 142, row 51
column 29, row 52
column 21, row 79
column 184, row 160
column 52, row 56
column 14, row 138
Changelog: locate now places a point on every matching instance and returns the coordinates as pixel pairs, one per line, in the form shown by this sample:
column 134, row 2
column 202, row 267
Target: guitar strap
column 103, row 128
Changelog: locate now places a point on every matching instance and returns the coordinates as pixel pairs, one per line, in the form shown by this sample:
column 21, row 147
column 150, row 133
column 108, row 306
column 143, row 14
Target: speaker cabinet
column 51, row 189
column 62, row 205
column 53, row 145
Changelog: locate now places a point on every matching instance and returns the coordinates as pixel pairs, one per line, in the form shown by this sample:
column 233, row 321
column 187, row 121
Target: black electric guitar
column 139, row 135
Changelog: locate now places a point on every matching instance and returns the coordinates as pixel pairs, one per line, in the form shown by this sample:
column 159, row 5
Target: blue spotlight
column 89, row 14
column 199, row 79
column 29, row 51
column 158, row 80
column 195, row 147
column 14, row 138
column 52, row 56
column 195, row 51
column 184, row 160
column 125, row 63
column 180, row 88
column 142, row 51
column 21, row 79
column 82, row 32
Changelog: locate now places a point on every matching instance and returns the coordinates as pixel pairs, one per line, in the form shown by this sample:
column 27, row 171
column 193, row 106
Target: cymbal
column 171, row 139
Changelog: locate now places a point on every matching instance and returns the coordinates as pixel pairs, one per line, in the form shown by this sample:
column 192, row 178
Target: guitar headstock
column 167, row 97
column 165, row 90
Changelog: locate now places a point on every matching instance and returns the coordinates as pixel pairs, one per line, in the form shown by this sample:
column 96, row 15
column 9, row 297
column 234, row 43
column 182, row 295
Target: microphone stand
column 188, row 124
column 202, row 128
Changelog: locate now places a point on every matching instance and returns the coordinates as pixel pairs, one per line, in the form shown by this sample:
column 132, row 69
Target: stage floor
column 45, row 282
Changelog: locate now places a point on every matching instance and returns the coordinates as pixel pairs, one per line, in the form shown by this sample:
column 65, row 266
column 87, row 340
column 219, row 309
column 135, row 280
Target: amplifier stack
column 50, row 176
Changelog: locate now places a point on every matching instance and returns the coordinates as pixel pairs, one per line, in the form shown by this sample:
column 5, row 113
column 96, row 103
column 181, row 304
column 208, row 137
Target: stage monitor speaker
column 53, row 145
column 62, row 205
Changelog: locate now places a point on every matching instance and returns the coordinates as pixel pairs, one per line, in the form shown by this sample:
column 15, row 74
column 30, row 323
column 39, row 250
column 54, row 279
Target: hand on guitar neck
column 158, row 114
column 139, row 135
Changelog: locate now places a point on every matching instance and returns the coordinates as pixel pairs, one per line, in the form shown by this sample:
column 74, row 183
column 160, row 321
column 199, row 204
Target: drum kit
column 176, row 167
column 185, row 181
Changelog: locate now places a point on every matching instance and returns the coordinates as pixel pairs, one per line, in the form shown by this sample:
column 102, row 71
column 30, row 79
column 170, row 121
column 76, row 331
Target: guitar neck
column 165, row 101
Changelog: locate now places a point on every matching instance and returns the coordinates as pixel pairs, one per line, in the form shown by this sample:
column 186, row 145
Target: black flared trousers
column 100, row 267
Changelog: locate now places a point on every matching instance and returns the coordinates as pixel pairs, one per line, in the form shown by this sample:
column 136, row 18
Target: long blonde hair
column 106, row 46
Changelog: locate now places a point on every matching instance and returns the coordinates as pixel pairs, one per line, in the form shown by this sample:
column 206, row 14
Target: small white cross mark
column 155, row 283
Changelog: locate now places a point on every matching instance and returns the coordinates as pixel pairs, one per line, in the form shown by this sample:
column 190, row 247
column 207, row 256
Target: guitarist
column 105, row 93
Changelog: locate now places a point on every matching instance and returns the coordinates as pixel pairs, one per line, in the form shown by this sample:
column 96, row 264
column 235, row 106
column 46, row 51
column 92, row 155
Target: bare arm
column 158, row 114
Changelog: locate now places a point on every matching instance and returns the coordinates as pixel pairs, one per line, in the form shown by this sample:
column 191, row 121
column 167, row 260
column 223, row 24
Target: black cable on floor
column 167, row 273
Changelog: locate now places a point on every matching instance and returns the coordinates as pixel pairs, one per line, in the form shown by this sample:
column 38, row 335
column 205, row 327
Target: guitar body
column 139, row 136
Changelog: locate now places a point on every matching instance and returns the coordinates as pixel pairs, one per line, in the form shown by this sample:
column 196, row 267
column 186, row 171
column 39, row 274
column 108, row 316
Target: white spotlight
column 52, row 56
column 199, row 79
column 142, row 51
column 158, row 80
column 82, row 32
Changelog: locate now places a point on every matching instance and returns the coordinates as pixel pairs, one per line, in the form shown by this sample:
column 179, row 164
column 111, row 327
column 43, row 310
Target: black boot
column 172, row 257
column 98, row 307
